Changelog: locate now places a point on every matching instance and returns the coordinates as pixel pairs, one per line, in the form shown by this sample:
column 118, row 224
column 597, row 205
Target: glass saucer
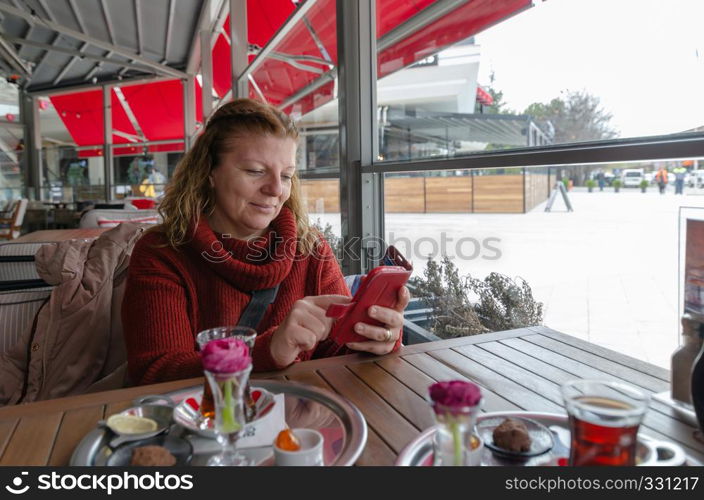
column 541, row 438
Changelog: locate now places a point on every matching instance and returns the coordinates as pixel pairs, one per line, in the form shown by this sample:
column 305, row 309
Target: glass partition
column 467, row 77
column 11, row 176
column 71, row 175
column 143, row 175
column 605, row 272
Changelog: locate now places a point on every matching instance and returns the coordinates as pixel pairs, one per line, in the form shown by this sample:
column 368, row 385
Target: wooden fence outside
column 515, row 193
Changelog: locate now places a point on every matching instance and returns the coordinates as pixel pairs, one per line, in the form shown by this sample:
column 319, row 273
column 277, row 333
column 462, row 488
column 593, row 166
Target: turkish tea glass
column 604, row 417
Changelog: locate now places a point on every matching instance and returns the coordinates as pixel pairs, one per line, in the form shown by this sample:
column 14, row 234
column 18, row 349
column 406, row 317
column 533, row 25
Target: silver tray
column 419, row 452
column 305, row 406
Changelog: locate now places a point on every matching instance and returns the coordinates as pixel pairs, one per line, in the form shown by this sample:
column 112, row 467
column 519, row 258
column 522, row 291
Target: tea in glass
column 604, row 418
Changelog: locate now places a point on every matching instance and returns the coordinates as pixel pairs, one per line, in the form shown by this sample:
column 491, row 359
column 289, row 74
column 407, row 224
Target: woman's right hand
column 305, row 326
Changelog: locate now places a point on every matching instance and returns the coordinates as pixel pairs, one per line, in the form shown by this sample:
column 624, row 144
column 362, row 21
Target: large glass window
column 11, row 175
column 11, row 144
column 142, row 175
column 72, row 174
column 298, row 75
column 467, row 77
column 606, row 271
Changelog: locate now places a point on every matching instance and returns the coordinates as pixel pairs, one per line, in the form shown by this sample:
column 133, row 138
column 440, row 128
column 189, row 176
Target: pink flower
column 455, row 393
column 227, row 355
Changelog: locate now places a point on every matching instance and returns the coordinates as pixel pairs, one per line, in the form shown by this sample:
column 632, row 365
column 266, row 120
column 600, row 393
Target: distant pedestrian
column 680, row 173
column 661, row 179
column 600, row 178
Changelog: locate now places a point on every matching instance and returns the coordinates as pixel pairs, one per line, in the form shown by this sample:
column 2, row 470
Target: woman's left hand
column 382, row 338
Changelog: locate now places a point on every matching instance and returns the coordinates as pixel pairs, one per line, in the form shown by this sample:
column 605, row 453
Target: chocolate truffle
column 512, row 435
column 152, row 456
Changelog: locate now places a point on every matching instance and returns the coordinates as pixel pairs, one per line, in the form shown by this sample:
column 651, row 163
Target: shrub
column 333, row 240
column 468, row 306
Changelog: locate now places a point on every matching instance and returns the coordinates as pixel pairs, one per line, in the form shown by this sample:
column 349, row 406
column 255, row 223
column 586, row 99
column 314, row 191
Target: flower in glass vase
column 456, row 404
column 227, row 364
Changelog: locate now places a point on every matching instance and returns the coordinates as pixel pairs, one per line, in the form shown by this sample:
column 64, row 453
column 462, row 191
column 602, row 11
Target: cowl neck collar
column 255, row 264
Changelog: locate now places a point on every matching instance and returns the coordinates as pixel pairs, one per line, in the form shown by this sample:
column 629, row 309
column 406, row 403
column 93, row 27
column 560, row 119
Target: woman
column 234, row 223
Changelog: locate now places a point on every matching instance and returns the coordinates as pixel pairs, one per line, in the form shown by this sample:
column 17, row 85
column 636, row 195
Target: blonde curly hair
column 189, row 196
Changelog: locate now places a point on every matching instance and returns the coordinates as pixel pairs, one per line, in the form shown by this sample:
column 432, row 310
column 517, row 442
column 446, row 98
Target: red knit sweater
column 171, row 295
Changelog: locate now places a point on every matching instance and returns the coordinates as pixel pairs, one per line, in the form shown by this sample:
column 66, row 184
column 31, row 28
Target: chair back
column 12, row 224
column 21, row 211
column 17, row 261
column 17, row 311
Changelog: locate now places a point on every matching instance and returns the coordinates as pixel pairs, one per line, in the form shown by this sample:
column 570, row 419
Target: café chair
column 22, row 291
column 11, row 221
column 17, row 261
column 18, row 308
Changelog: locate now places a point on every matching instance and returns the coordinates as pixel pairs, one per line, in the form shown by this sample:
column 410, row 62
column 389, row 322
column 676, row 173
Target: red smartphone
column 378, row 288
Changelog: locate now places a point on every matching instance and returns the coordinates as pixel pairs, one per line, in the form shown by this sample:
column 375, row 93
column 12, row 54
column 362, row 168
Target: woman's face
column 252, row 181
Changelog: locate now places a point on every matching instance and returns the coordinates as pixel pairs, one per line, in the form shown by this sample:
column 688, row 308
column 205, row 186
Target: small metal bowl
column 161, row 414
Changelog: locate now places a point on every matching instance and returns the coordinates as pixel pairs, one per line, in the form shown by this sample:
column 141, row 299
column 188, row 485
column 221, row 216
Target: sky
column 643, row 58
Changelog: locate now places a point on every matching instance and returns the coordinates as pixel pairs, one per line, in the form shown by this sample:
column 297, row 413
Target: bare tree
column 576, row 116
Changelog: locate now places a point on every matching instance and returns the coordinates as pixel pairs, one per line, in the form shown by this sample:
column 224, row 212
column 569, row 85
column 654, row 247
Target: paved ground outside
column 607, row 272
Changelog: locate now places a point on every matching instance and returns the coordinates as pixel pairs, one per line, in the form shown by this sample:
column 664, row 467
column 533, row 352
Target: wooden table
column 60, row 235
column 518, row 369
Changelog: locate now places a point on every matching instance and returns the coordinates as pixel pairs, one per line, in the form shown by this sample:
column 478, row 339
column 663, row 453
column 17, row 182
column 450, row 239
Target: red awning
column 277, row 78
column 158, row 106
column 264, row 17
column 82, row 114
column 484, row 97
column 156, row 148
column 467, row 20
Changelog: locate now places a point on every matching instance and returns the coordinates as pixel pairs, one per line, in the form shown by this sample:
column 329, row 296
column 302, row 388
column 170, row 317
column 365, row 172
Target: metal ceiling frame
column 321, row 47
column 204, row 18
column 12, row 57
column 239, row 50
column 27, row 34
column 34, row 19
column 297, row 15
column 73, row 52
column 241, row 79
column 108, row 167
column 138, row 21
column 82, row 48
column 134, row 145
column 130, row 114
column 108, row 21
column 330, row 76
column 98, row 86
column 217, row 27
column 169, row 30
column 425, row 17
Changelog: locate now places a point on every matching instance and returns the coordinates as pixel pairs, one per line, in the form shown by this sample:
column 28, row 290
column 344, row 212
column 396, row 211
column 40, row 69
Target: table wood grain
column 518, row 370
